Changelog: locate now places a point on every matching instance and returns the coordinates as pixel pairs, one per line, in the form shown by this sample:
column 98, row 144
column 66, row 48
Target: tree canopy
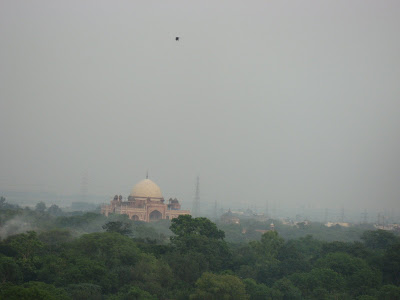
column 186, row 225
column 90, row 256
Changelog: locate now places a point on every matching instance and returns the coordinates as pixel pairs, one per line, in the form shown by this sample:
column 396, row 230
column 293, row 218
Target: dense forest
column 46, row 253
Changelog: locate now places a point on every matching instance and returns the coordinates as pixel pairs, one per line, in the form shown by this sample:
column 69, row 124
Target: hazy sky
column 282, row 101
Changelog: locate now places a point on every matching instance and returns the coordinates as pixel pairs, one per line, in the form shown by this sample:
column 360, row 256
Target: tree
column 145, row 233
column 219, row 287
column 260, row 291
column 364, row 280
column 215, row 254
column 308, row 246
column 269, row 246
column 391, row 264
column 84, row 291
column 152, row 275
column 389, row 292
column 81, row 269
column 40, row 207
column 292, row 260
column 54, row 240
column 379, row 239
column 25, row 249
column 359, row 276
column 186, row 225
column 366, row 297
column 319, row 278
column 110, row 247
column 25, row 245
column 32, row 290
column 7, row 206
column 202, row 237
column 288, row 290
column 119, row 227
column 9, row 270
column 188, row 266
column 88, row 222
column 54, row 210
column 133, row 293
column 342, row 263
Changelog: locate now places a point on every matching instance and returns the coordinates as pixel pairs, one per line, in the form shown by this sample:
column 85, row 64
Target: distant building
column 389, row 227
column 230, row 218
column 145, row 203
column 272, row 226
column 342, row 224
column 260, row 217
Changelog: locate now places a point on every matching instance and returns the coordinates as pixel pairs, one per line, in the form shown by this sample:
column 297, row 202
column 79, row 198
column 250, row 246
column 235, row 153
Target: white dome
column 147, row 189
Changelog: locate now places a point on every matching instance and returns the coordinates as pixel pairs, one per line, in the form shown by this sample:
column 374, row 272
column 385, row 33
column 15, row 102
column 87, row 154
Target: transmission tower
column 196, row 202
column 342, row 215
column 84, row 185
column 365, row 217
column 215, row 210
column 326, row 218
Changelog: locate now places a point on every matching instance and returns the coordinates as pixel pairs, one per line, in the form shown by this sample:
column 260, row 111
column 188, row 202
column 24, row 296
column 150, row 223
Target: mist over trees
column 58, row 255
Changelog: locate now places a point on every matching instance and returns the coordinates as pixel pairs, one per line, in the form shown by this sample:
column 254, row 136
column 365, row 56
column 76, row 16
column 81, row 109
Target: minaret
column 196, row 202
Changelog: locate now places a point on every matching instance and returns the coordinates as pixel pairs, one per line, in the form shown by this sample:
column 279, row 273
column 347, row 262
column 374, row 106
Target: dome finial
column 147, row 174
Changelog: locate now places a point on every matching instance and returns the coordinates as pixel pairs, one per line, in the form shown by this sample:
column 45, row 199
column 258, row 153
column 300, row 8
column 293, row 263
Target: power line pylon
column 84, row 185
column 196, row 202
column 365, row 217
column 326, row 217
column 342, row 215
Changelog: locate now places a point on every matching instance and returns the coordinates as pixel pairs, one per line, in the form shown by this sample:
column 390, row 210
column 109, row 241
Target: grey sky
column 286, row 101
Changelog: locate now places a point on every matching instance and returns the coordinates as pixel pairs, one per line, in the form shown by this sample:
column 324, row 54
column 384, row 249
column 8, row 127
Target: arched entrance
column 155, row 215
column 135, row 218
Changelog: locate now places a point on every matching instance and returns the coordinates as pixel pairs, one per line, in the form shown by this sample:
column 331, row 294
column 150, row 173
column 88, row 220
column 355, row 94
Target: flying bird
column 177, row 38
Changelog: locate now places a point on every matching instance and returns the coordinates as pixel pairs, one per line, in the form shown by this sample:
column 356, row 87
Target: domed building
column 145, row 203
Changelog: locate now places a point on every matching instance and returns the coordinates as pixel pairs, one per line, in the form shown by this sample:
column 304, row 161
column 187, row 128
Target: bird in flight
column 177, row 38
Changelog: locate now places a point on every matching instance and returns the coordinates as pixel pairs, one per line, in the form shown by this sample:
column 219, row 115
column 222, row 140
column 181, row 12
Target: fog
column 294, row 104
